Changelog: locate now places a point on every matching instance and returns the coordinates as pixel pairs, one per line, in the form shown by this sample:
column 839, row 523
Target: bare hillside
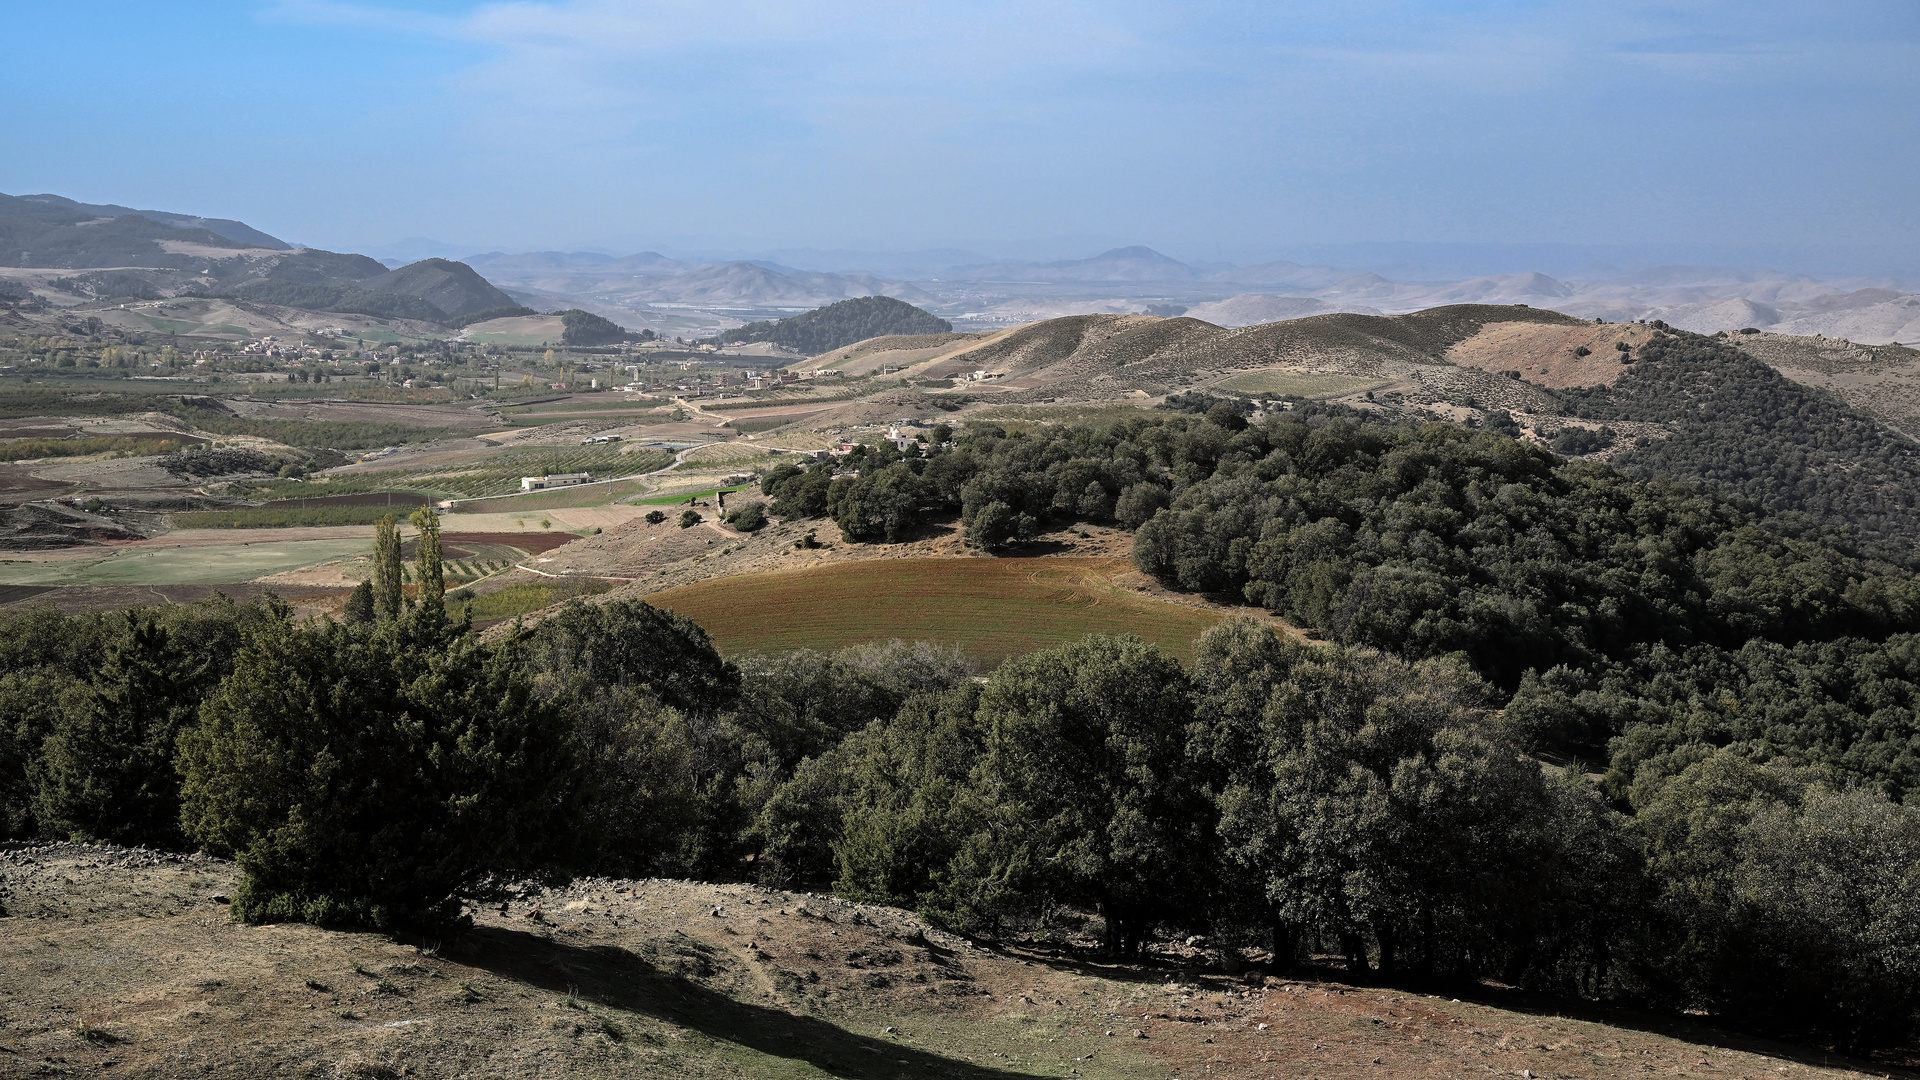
column 1081, row 357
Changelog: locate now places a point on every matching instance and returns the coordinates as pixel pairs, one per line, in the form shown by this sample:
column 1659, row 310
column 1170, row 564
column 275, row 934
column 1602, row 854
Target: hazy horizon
column 1461, row 138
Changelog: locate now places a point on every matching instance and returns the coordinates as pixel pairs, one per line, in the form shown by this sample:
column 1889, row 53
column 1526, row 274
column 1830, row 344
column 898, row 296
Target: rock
column 219, row 899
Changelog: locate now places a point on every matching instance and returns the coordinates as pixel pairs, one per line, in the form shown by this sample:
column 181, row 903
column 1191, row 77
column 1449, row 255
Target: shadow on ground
column 618, row 978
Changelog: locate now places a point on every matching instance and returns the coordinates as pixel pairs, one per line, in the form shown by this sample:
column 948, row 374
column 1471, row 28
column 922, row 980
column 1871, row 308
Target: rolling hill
column 837, row 325
column 151, row 254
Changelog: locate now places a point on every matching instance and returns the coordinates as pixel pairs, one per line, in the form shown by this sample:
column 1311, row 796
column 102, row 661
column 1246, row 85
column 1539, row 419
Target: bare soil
column 1544, row 353
column 122, row 962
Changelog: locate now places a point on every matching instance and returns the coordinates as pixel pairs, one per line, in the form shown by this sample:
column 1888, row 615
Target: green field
column 217, row 564
column 992, row 608
column 287, row 517
column 1299, row 384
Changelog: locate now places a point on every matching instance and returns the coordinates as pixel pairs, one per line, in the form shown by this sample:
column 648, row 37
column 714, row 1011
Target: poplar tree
column 427, row 565
column 386, row 569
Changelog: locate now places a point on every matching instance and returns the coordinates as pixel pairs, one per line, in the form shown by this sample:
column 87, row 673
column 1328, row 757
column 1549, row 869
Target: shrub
column 690, row 518
column 655, row 517
column 749, row 518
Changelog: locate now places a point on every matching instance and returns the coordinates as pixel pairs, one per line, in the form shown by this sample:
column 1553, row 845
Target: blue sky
column 1209, row 130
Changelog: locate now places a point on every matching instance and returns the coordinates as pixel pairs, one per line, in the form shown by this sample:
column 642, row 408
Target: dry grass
column 122, row 963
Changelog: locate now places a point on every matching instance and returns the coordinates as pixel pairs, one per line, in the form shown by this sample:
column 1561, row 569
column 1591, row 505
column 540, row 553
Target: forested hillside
column 1740, row 424
column 836, row 325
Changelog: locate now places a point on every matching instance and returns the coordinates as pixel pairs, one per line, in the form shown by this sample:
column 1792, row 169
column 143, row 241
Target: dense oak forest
column 1593, row 733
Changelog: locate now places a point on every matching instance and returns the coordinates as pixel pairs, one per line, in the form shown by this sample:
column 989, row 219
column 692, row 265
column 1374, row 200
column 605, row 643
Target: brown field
column 122, row 962
column 530, row 542
column 992, row 608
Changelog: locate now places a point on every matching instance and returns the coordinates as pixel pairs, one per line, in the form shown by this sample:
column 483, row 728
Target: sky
column 1213, row 131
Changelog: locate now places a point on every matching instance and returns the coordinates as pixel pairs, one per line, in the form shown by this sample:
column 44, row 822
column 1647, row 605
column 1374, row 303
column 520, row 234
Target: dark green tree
column 1090, row 797
column 380, row 776
column 1372, row 801
column 106, row 771
column 359, row 609
column 32, row 705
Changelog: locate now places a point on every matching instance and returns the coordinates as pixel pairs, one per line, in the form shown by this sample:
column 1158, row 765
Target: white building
column 554, row 480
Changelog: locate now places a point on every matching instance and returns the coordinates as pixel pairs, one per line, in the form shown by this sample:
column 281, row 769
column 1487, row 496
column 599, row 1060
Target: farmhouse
column 554, row 480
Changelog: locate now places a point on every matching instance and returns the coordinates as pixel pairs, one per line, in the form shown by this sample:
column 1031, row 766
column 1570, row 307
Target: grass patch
column 290, row 517
column 992, row 608
column 670, row 500
column 748, row 427
column 1298, row 384
column 531, row 596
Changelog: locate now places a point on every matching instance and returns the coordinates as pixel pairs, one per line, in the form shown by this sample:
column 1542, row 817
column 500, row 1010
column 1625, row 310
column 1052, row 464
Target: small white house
column 554, row 480
column 905, row 433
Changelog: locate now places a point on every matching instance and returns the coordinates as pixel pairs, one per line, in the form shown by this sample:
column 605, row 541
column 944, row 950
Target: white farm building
column 554, row 480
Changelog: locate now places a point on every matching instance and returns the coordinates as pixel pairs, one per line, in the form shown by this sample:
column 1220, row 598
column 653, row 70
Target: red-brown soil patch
column 530, row 542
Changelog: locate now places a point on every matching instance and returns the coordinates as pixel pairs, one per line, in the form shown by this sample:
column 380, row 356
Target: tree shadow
column 1330, row 972
column 617, row 977
column 1680, row 1028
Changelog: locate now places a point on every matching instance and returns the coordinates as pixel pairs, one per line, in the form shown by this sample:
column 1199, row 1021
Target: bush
column 379, row 776
column 655, row 517
column 749, row 518
column 690, row 518
column 1092, row 800
column 1578, row 441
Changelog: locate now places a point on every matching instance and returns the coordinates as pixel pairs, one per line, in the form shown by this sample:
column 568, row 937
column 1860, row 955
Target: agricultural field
column 991, row 608
column 177, row 564
column 1299, row 384
column 283, row 517
column 500, row 473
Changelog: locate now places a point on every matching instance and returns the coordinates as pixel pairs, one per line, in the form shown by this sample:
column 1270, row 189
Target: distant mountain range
column 638, row 288
column 108, row 251
column 151, row 254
